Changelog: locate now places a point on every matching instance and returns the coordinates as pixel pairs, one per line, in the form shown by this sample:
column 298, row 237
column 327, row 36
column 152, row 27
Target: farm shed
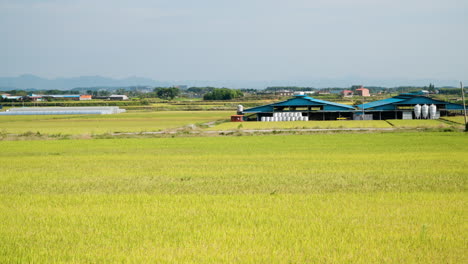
column 118, row 97
column 404, row 106
column 300, row 107
column 74, row 97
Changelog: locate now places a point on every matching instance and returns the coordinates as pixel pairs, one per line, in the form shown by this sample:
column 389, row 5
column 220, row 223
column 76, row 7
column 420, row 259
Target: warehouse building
column 300, row 107
column 73, row 97
column 407, row 106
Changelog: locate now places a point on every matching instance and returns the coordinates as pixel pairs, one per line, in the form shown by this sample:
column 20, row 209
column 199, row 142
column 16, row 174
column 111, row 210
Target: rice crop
column 100, row 124
column 326, row 198
column 301, row 125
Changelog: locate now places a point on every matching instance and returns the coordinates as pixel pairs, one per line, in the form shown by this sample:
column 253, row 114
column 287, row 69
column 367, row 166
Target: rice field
column 301, row 125
column 100, row 124
column 325, row 198
column 418, row 123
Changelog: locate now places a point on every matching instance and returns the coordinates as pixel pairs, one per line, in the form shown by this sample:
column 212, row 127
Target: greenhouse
column 92, row 110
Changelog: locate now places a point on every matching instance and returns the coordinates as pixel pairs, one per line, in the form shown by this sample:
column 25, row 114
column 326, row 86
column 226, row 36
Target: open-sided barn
column 404, row 106
column 302, row 106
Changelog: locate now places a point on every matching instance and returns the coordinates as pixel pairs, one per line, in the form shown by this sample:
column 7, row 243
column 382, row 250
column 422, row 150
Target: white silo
column 425, row 111
column 417, row 111
column 432, row 111
column 240, row 109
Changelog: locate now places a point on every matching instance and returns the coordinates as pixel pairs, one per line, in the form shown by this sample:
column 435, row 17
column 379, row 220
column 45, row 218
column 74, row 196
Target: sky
column 235, row 40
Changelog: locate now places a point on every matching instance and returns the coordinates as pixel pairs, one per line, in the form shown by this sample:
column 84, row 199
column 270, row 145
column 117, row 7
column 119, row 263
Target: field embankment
column 300, row 125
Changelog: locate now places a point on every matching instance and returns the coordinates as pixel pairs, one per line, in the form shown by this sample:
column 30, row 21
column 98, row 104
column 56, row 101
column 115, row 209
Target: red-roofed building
column 363, row 91
column 347, row 93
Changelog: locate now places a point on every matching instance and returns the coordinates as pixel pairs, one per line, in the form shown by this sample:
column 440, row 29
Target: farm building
column 408, row 106
column 118, row 97
column 300, row 107
column 362, row 91
column 11, row 98
column 347, row 93
column 73, row 97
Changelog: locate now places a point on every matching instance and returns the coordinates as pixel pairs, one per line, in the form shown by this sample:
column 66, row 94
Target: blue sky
column 235, row 40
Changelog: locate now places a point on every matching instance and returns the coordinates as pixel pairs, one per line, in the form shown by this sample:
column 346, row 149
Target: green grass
column 333, row 198
column 418, row 123
column 100, row 124
column 301, row 125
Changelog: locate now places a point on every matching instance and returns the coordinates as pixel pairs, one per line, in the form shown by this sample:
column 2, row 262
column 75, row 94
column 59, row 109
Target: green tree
column 121, row 91
column 167, row 93
column 222, row 94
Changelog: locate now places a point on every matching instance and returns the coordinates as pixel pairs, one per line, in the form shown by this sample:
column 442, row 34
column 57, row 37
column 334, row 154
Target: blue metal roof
column 301, row 100
column 380, row 103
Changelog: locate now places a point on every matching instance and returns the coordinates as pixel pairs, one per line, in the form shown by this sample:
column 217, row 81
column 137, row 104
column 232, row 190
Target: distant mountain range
column 30, row 82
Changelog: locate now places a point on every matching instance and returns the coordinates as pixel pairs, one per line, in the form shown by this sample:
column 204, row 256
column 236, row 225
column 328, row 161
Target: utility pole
column 464, row 106
column 363, row 113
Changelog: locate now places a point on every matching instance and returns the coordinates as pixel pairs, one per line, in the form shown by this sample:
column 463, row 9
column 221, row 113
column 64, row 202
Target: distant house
column 323, row 92
column 304, row 92
column 84, row 97
column 362, row 91
column 34, row 97
column 118, row 97
column 347, row 93
column 285, row 93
